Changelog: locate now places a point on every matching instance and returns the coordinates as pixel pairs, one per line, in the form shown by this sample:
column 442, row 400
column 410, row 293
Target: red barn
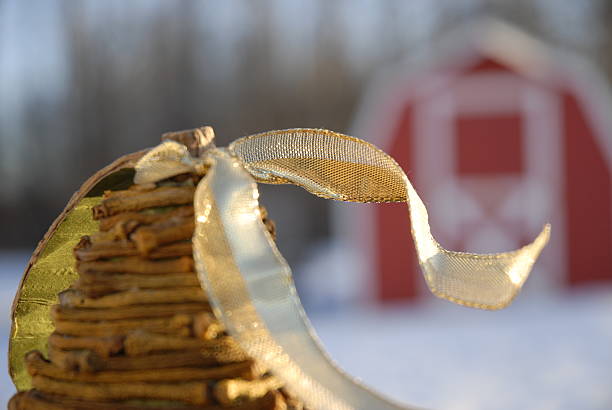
column 499, row 134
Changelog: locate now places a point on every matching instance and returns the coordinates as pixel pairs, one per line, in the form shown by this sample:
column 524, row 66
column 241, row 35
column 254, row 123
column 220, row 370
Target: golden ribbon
column 250, row 284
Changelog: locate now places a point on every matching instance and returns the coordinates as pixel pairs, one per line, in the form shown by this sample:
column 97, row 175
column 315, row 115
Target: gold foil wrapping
column 52, row 266
column 52, row 272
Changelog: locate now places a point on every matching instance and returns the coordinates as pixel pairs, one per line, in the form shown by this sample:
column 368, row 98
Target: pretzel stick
column 75, row 360
column 125, row 226
column 206, row 326
column 34, row 399
column 94, row 284
column 141, row 342
column 145, row 194
column 74, row 298
column 140, row 280
column 88, row 252
column 37, row 365
column 123, row 193
column 179, row 324
column 119, row 201
column 114, row 244
column 273, row 400
column 144, row 218
column 149, row 237
column 162, row 360
column 172, row 250
column 103, row 346
column 189, row 392
column 228, row 392
column 222, row 350
column 133, row 264
column 62, row 313
column 119, row 231
column 98, row 290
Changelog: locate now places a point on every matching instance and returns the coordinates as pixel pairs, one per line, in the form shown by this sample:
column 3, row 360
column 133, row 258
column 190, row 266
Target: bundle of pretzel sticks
column 136, row 331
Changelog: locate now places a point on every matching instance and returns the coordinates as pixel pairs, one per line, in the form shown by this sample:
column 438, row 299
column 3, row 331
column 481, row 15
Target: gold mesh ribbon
column 340, row 167
column 250, row 284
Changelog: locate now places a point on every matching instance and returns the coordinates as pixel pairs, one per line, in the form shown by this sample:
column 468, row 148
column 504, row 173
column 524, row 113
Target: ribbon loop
column 336, row 166
column 166, row 160
column 325, row 163
column 249, row 282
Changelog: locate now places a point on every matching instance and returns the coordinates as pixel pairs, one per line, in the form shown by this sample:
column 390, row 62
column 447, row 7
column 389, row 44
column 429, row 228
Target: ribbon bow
column 249, row 282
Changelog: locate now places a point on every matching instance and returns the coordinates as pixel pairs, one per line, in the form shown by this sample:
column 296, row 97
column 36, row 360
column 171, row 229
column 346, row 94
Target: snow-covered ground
column 12, row 265
column 553, row 352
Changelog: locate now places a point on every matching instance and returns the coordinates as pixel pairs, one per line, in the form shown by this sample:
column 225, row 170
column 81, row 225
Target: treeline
column 135, row 71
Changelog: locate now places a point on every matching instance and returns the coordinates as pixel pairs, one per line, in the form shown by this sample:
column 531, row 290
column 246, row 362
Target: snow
column 549, row 352
column 553, row 354
column 12, row 265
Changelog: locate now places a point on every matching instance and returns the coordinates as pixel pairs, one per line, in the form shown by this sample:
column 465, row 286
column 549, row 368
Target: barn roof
column 455, row 51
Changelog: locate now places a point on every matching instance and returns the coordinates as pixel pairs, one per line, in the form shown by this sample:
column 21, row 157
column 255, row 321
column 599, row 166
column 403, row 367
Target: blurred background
column 82, row 83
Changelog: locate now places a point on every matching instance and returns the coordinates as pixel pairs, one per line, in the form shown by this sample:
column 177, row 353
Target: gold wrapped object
column 131, row 327
column 51, row 268
column 247, row 281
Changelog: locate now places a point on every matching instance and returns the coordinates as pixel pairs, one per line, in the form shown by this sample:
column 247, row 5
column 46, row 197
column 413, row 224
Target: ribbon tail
column 341, row 167
column 251, row 290
column 483, row 281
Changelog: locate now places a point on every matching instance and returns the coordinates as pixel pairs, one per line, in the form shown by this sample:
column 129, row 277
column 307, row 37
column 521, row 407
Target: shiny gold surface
column 53, row 272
